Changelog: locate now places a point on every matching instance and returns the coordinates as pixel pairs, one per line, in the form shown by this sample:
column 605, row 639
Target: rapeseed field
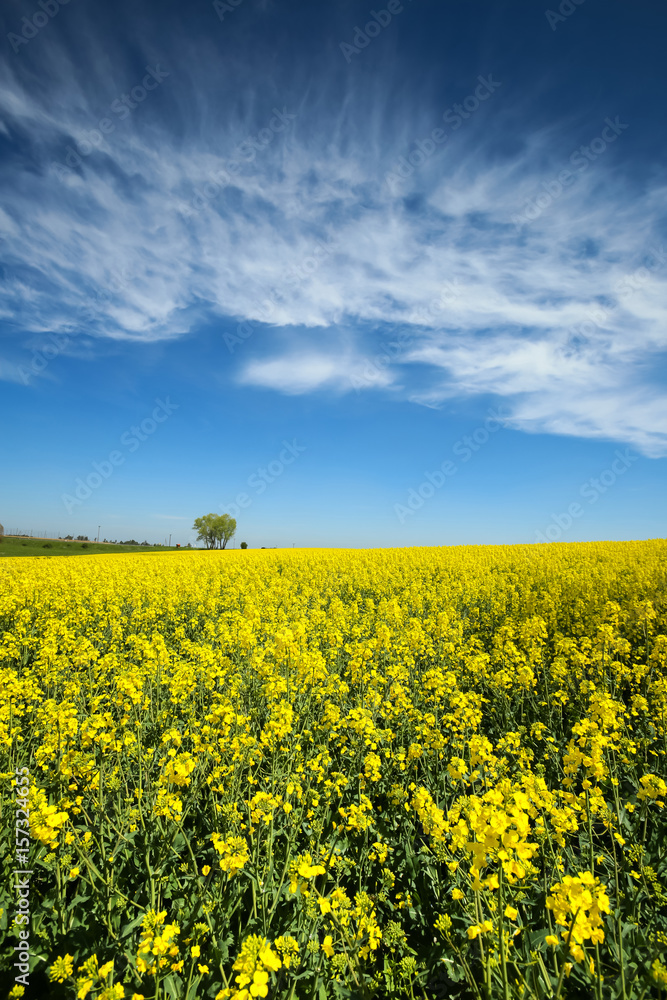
column 419, row 773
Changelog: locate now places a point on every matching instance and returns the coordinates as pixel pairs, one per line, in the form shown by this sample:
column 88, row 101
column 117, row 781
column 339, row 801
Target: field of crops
column 409, row 773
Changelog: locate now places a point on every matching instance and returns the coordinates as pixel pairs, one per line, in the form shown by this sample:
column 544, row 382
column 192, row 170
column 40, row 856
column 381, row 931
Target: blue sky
column 361, row 275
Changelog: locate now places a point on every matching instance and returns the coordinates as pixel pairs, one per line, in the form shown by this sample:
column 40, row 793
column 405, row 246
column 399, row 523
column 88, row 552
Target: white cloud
column 301, row 373
column 119, row 253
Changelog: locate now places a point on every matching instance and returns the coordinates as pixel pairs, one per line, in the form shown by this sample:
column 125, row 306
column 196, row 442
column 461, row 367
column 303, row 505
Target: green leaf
column 127, row 929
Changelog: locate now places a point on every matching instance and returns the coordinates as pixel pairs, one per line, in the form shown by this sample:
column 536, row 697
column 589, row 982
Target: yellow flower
column 269, row 958
column 659, row 972
column 157, row 941
column 289, row 950
column 61, row 969
column 157, row 682
column 310, row 871
column 260, row 981
column 85, row 986
column 578, row 903
column 234, row 853
column 653, row 787
column 476, row 929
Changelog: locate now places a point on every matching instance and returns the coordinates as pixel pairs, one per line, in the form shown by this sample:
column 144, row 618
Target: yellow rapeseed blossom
column 327, row 747
column 61, row 969
column 158, row 944
column 578, row 903
column 233, row 851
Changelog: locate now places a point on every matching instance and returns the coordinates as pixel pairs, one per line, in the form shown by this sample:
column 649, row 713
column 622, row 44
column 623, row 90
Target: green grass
column 14, row 546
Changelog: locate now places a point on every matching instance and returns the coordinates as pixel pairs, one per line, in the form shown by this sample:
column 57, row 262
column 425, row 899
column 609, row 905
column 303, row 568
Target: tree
column 244, row 545
column 204, row 526
column 215, row 530
column 225, row 529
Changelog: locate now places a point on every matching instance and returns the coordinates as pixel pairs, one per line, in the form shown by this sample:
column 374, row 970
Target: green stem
column 567, row 945
column 503, row 963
